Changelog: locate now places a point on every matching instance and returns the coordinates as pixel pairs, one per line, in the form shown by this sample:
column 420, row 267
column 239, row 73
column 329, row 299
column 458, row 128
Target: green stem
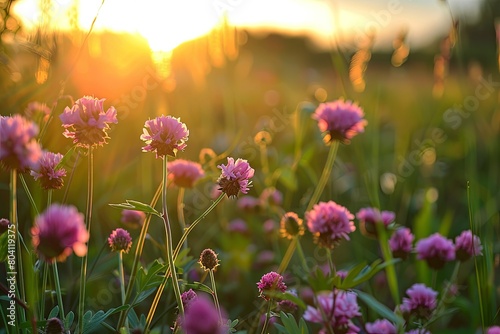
column 390, row 269
column 184, row 236
column 216, row 298
column 302, row 256
column 44, row 289
column 266, row 321
column 288, row 256
column 58, row 292
column 88, row 219
column 325, row 175
column 137, row 257
column 168, row 236
column 122, row 276
column 180, row 212
column 28, row 193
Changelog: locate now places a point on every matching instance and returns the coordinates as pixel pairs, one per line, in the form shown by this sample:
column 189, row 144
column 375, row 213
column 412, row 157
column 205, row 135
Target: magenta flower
column 380, row 326
column 238, row 225
column 165, row 135
column 419, row 331
column 270, row 282
column 248, row 203
column 467, row 245
column 18, row 148
column 37, row 111
column 120, row 241
column 421, row 303
column 47, row 173
column 338, row 308
column 235, row 177
column 187, row 298
column 368, row 217
column 133, row 218
column 401, row 243
column 185, row 173
column 436, row 250
column 87, row 122
column 329, row 222
column 201, row 317
column 493, row 330
column 4, row 225
column 339, row 120
column 58, row 232
column 271, row 196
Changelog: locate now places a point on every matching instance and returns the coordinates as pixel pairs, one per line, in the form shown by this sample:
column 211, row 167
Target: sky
column 166, row 24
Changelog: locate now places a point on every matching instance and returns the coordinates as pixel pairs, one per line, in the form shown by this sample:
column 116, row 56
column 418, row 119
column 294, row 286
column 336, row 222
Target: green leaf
column 69, row 319
column 138, row 206
column 380, row 308
column 54, row 312
column 66, row 157
column 200, row 287
column 92, row 322
column 318, row 281
column 148, row 280
column 3, row 247
column 286, row 296
column 290, row 325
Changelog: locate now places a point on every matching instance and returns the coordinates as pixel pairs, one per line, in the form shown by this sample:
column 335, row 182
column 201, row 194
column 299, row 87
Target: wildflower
column 269, row 226
column 165, row 135
column 270, row 282
column 380, row 326
column 339, row 120
column 119, row 240
column 208, row 259
column 87, row 122
column 291, row 225
column 401, row 243
column 4, row 225
column 18, row 148
column 493, row 330
column 368, row 217
column 185, row 173
column 339, row 308
column 421, row 303
column 271, row 196
column 47, row 172
column 329, row 222
column 248, row 203
column 201, row 317
column 37, row 111
column 54, row 326
column 58, row 232
column 419, row 331
column 235, row 177
column 187, row 298
column 467, row 245
column 237, row 225
column 436, row 250
column 342, row 273
column 133, row 218
column 264, row 259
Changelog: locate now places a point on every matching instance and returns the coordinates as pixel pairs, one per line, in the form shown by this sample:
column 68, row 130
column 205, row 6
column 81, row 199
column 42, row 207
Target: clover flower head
column 133, row 218
column 369, row 217
column 201, row 317
column 120, row 241
column 436, row 250
column 401, row 242
column 87, row 123
column 329, row 222
column 58, row 232
column 467, row 245
column 18, row 147
column 493, row 330
column 270, row 282
column 54, row 326
column 4, row 225
column 165, row 135
column 380, row 326
column 235, row 177
column 339, row 120
column 187, row 298
column 47, row 173
column 184, row 173
column 421, row 302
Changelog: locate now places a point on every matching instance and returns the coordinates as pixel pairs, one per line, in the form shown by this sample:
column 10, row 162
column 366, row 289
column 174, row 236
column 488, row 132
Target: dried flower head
column 120, row 241
column 54, row 326
column 133, row 218
column 436, row 250
column 291, row 225
column 467, row 245
column 235, row 177
column 270, row 282
column 87, row 123
column 164, row 135
column 18, row 148
column 330, row 222
column 48, row 173
column 184, row 173
column 208, row 259
column 401, row 243
column 339, row 120
column 421, row 301
column 369, row 217
column 58, row 232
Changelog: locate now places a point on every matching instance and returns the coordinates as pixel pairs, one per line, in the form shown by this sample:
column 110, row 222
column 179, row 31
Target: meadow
column 427, row 152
